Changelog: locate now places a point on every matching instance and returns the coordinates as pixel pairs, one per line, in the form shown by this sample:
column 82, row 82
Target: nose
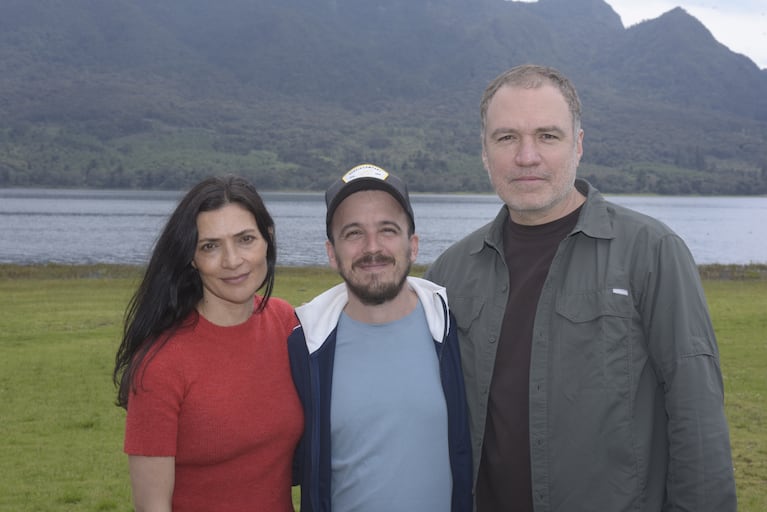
column 371, row 243
column 527, row 154
column 231, row 257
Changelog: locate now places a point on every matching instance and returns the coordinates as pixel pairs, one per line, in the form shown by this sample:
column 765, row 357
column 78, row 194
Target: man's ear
column 331, row 254
column 413, row 248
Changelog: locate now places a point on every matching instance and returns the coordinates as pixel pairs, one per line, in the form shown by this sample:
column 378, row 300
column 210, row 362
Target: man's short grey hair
column 530, row 76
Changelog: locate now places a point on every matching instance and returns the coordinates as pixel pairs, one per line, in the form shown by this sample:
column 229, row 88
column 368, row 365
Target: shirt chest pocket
column 466, row 311
column 473, row 334
column 593, row 339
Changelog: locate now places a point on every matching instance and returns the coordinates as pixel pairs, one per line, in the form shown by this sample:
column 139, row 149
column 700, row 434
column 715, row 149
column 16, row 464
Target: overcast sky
column 740, row 25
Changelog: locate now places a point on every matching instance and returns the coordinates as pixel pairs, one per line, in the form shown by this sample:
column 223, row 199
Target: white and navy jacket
column 311, row 347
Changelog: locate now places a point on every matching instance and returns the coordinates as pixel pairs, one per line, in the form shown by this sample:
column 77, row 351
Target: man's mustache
column 373, row 259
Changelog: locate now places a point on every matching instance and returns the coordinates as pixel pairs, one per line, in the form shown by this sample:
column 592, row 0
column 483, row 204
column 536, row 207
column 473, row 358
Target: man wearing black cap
column 385, row 414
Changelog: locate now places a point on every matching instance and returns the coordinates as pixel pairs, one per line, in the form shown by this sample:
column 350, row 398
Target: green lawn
column 739, row 312
column 61, row 446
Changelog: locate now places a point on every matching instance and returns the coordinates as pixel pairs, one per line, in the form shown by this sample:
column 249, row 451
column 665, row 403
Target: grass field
column 61, row 447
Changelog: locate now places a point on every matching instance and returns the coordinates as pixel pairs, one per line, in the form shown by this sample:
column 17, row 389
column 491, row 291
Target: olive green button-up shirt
column 626, row 395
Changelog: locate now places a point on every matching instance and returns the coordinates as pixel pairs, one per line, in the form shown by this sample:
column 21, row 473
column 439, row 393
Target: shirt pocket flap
column 466, row 310
column 588, row 306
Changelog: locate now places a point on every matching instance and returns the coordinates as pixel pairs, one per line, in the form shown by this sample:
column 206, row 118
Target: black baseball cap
column 366, row 177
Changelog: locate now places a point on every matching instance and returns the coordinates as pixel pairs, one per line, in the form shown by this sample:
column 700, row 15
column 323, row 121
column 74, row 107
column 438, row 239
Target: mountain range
column 158, row 93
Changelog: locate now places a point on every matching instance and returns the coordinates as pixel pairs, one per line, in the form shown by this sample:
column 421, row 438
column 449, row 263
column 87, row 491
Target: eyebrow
column 552, row 128
column 383, row 223
column 243, row 232
column 541, row 129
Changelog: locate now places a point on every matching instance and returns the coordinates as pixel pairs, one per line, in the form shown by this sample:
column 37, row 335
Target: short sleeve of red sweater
column 151, row 425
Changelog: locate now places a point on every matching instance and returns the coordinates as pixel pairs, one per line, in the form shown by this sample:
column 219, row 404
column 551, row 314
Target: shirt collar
column 593, row 221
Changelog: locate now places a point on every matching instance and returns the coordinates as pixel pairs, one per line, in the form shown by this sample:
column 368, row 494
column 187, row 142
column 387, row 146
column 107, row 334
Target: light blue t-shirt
column 388, row 419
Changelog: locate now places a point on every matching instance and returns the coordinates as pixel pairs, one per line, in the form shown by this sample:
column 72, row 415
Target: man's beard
column 376, row 292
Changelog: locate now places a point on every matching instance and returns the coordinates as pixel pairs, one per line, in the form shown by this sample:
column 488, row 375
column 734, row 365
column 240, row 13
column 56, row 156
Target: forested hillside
column 158, row 93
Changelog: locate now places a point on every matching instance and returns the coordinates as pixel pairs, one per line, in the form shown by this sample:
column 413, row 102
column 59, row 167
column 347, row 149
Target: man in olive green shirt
column 591, row 366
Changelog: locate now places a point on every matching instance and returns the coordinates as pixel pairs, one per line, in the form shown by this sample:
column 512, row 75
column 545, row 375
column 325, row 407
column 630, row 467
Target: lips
column 235, row 279
column 528, row 178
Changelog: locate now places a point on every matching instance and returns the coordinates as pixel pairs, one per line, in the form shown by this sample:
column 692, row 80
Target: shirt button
column 491, row 339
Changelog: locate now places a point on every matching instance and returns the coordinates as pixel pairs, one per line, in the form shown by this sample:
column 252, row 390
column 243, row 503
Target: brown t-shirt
column 504, row 481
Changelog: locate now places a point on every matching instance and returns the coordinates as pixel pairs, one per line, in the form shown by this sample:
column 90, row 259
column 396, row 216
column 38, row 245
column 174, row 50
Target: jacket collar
column 320, row 316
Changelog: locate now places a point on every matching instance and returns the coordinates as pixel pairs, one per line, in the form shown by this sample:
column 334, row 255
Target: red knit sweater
column 222, row 402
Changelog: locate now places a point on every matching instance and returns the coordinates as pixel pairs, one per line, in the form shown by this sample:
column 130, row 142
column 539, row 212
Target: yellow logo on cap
column 365, row 171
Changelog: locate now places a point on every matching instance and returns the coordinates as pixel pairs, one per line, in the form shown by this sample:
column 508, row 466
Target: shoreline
column 715, row 271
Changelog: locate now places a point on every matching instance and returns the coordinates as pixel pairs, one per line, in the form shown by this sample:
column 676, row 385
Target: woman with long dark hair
column 212, row 414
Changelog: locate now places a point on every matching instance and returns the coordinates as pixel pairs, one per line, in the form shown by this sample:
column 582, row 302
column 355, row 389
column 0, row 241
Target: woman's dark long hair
column 171, row 288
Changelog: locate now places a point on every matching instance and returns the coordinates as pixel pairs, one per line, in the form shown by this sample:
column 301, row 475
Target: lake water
column 97, row 226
